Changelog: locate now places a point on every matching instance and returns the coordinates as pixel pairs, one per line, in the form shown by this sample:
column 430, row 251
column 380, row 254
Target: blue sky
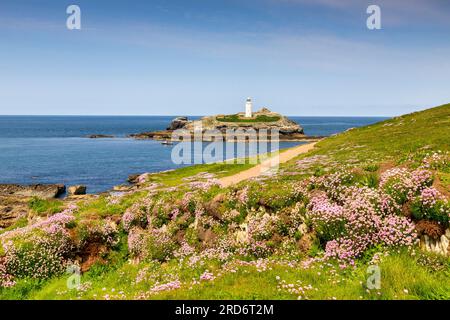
column 198, row 57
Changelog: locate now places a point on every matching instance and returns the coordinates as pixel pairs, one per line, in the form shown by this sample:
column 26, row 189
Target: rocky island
column 263, row 119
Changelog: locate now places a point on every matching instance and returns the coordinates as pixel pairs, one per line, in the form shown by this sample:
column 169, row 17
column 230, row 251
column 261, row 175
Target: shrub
column 333, row 184
column 327, row 218
column 263, row 227
column 437, row 161
column 153, row 244
column 404, row 185
column 134, row 216
column 431, row 205
column 40, row 250
column 356, row 220
column 6, row 279
column 99, row 231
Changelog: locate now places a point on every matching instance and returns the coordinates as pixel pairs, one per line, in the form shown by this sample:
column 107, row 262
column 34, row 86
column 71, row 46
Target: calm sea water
column 54, row 149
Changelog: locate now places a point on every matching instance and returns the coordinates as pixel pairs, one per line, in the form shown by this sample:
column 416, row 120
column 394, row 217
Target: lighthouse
column 248, row 108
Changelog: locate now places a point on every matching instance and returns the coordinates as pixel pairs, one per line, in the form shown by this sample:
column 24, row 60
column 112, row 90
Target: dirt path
column 258, row 169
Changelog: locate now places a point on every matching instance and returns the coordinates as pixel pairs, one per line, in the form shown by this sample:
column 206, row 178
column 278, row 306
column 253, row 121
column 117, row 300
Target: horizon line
column 168, row 115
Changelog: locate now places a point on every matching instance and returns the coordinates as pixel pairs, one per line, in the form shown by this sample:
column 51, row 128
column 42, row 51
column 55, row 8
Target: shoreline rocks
column 14, row 199
column 76, row 190
column 45, row 191
column 178, row 123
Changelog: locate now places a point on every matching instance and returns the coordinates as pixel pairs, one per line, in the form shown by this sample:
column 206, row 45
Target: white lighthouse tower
column 248, row 108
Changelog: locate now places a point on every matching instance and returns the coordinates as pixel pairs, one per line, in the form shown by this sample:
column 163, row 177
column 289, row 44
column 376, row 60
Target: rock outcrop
column 11, row 209
column 76, row 190
column 439, row 246
column 178, row 123
column 37, row 190
column 14, row 200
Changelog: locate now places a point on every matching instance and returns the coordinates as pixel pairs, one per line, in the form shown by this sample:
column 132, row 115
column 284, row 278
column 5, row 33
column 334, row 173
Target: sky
column 202, row 57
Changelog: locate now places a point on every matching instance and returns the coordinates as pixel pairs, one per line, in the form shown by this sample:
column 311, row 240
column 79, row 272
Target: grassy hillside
column 361, row 199
column 393, row 139
column 402, row 140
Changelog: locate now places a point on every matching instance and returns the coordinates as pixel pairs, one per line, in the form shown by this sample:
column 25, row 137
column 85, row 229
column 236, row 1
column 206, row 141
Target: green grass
column 102, row 208
column 45, row 207
column 393, row 139
column 402, row 277
column 237, row 118
column 399, row 274
column 175, row 177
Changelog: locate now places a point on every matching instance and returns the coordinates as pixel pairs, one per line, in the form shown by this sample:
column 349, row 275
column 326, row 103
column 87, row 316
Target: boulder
column 76, row 190
column 178, row 123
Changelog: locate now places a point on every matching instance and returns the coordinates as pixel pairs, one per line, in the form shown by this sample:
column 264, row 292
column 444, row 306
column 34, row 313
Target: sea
column 56, row 149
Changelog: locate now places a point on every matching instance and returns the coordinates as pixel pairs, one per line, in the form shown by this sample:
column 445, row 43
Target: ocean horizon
column 55, row 149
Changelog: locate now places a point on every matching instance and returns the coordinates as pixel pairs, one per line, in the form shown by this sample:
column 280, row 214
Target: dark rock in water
column 156, row 135
column 76, row 190
column 178, row 123
column 37, row 190
column 99, row 136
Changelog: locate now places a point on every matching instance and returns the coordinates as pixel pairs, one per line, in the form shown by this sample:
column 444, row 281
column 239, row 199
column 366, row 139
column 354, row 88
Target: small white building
column 248, row 108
